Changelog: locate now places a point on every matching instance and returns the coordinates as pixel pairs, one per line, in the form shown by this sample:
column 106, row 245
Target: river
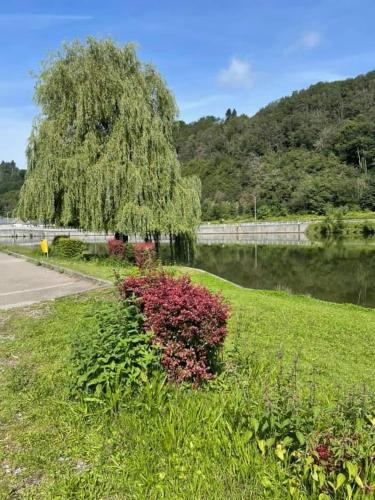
column 338, row 271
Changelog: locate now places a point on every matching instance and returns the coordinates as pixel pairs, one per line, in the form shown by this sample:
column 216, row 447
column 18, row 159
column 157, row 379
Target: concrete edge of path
column 60, row 269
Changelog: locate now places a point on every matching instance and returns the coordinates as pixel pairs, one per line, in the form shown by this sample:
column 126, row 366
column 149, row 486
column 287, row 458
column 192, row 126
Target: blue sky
column 214, row 54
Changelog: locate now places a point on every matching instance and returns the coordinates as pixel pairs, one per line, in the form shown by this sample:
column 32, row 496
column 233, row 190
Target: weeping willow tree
column 100, row 155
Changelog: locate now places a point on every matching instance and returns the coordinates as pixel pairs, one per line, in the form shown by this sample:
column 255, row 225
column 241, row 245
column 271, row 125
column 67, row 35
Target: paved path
column 23, row 283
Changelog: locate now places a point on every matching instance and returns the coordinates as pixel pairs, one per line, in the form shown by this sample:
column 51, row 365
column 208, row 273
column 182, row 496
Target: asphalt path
column 23, row 283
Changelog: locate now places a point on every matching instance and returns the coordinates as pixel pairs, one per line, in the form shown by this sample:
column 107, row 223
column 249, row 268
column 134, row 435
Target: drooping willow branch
column 100, row 155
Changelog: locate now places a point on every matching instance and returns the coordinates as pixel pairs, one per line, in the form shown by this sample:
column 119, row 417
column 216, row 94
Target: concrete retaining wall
column 261, row 232
column 254, row 228
column 49, row 233
column 33, row 234
column 254, row 238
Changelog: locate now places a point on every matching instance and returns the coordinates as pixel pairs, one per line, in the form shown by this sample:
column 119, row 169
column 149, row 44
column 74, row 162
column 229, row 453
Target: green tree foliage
column 305, row 181
column 299, row 154
column 100, row 155
column 230, row 114
column 11, row 180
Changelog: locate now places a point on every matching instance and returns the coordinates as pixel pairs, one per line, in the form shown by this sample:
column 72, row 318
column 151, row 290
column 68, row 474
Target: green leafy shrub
column 333, row 224
column 58, row 237
column 129, row 254
column 116, row 353
column 332, row 227
column 323, row 452
column 264, row 211
column 64, row 246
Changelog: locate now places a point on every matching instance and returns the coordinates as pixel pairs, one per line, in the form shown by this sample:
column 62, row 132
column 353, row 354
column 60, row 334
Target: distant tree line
column 11, row 180
column 303, row 153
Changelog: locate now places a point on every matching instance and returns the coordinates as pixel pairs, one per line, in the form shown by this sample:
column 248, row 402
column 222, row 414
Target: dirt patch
column 81, row 466
column 9, row 362
column 17, row 483
column 6, row 338
column 3, row 320
column 38, row 311
column 8, row 469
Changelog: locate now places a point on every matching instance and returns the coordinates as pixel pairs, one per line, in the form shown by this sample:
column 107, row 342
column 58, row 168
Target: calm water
column 339, row 272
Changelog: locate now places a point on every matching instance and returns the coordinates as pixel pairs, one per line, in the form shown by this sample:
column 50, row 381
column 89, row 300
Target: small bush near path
column 188, row 323
column 115, row 353
column 144, row 254
column 116, row 248
column 121, row 250
column 67, row 247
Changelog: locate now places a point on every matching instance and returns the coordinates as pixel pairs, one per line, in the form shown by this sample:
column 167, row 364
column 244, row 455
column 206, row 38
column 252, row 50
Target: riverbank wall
column 254, row 232
column 254, row 228
column 292, row 233
column 18, row 232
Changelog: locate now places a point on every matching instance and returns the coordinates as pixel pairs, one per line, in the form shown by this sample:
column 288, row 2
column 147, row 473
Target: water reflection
column 338, row 271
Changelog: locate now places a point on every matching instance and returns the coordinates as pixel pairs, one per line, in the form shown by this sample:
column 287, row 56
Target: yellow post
column 44, row 247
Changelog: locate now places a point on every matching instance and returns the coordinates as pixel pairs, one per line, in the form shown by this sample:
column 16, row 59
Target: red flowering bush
column 116, row 248
column 144, row 254
column 323, row 453
column 188, row 323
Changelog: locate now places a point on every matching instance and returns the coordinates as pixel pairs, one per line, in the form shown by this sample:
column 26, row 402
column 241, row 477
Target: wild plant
column 115, row 354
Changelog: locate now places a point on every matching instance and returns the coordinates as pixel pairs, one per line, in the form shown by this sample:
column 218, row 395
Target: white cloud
column 237, row 75
column 308, row 41
column 311, row 39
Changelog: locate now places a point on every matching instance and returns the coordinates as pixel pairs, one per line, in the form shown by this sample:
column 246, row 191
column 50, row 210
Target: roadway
column 23, row 283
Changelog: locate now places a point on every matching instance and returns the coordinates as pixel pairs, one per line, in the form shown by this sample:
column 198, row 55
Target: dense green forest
column 300, row 154
column 11, row 180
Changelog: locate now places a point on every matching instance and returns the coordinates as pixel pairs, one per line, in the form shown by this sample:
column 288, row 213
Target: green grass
column 166, row 443
column 56, row 448
column 358, row 215
column 336, row 341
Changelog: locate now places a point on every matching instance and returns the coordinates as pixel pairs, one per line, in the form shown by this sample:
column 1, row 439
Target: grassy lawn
column 336, row 342
column 357, row 215
column 167, row 443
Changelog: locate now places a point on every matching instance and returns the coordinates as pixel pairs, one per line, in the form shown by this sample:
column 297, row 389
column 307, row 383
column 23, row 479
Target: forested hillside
column 11, row 180
column 303, row 153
